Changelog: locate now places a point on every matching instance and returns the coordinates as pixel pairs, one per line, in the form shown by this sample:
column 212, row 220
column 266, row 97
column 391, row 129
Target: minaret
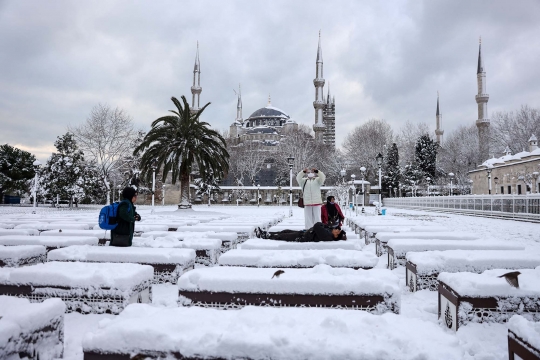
column 438, row 131
column 318, row 104
column 482, row 99
column 239, row 106
column 329, row 120
column 196, row 88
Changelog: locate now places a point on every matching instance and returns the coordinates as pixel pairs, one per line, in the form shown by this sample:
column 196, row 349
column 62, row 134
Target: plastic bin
column 383, row 211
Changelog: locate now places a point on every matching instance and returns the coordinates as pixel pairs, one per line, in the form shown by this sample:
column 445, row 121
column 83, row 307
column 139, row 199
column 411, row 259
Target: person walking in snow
column 311, row 181
column 319, row 232
column 331, row 214
column 122, row 234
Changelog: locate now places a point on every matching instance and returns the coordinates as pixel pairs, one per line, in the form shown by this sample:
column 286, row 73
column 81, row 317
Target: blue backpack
column 108, row 216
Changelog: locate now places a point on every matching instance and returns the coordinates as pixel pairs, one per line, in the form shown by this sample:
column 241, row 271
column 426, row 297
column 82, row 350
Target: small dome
column 269, row 111
column 533, row 138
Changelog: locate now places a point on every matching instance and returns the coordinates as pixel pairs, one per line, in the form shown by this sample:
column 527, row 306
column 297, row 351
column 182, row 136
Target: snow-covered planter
column 141, row 227
column 299, row 258
column 207, row 251
column 5, row 232
column 523, row 338
column 382, row 238
column 375, row 290
column 397, row 249
column 422, row 268
column 53, row 226
column 15, row 256
column 168, row 263
column 34, row 331
column 372, row 230
column 102, row 235
column 262, row 244
column 469, row 297
column 243, row 231
column 260, row 333
column 229, row 240
column 84, row 287
column 50, row 242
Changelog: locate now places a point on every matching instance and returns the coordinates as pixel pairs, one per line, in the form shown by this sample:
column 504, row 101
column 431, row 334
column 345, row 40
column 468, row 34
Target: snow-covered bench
column 20, row 255
column 265, row 333
column 468, row 297
column 102, row 235
column 243, row 231
column 523, row 338
column 50, row 242
column 359, row 224
column 29, row 232
column 382, row 238
column 4, row 225
column 299, row 258
column 397, row 249
column 375, row 290
column 262, row 244
column 229, row 240
column 207, row 251
column 422, row 268
column 34, row 331
column 53, row 226
column 372, row 230
column 168, row 263
column 84, row 287
column 282, row 227
column 171, row 225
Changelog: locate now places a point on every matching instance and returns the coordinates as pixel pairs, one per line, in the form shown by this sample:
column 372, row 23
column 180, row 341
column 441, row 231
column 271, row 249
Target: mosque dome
column 269, row 116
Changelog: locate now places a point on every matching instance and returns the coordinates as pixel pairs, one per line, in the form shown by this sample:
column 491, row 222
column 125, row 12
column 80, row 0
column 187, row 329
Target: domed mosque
column 265, row 126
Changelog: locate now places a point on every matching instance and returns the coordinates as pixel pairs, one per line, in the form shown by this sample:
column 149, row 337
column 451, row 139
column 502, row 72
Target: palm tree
column 178, row 143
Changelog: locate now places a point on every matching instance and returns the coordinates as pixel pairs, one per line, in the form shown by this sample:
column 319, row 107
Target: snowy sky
column 383, row 59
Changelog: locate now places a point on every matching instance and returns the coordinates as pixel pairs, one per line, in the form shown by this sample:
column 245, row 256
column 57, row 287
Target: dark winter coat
column 324, row 214
column 122, row 235
column 317, row 233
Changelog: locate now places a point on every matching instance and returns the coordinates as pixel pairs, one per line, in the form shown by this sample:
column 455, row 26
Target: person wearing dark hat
column 317, row 233
column 122, row 234
column 331, row 214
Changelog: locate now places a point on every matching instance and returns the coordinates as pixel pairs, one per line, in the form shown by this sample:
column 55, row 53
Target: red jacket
column 324, row 214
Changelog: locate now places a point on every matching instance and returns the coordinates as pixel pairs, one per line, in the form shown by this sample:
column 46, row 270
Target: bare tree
column 406, row 140
column 246, row 161
column 105, row 137
column 513, row 129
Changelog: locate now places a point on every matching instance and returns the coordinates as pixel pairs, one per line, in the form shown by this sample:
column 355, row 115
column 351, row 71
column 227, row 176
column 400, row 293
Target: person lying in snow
column 317, row 233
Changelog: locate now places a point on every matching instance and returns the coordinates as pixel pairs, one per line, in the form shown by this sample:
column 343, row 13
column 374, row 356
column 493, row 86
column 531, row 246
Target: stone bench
column 84, row 287
column 53, row 226
column 469, row 297
column 257, row 333
column 375, row 290
column 50, row 242
column 397, row 249
column 102, row 235
column 422, row 268
column 263, row 244
column 168, row 264
column 28, row 232
column 299, row 258
column 33, row 331
column 243, row 231
column 20, row 255
column 523, row 339
column 229, row 240
column 382, row 238
column 372, row 230
column 359, row 224
column 207, row 251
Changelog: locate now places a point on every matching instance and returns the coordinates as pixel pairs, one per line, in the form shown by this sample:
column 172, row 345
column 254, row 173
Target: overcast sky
column 383, row 59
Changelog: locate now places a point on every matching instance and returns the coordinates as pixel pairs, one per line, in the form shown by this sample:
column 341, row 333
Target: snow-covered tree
column 513, row 129
column 412, row 178
column 392, row 174
column 425, row 156
column 406, row 140
column 16, row 170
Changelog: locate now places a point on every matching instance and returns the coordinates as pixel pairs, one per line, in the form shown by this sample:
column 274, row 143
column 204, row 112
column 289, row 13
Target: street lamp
column 153, row 182
column 379, row 163
column 258, row 194
column 451, row 175
column 489, row 179
column 428, row 179
column 496, row 179
column 37, row 165
column 119, row 189
column 535, row 176
column 163, row 196
column 290, row 161
column 363, row 171
column 354, row 194
column 343, row 172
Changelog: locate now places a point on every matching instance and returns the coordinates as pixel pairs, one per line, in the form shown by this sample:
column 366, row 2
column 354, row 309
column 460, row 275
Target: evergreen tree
column 425, row 156
column 16, row 170
column 412, row 176
column 393, row 175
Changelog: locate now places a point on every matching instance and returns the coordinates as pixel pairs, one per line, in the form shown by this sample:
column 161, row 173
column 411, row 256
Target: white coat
column 312, row 191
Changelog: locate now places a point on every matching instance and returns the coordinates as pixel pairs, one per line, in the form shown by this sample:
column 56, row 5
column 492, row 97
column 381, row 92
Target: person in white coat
column 311, row 181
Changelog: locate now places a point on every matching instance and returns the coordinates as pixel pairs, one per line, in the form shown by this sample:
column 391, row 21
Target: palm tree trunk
column 184, row 192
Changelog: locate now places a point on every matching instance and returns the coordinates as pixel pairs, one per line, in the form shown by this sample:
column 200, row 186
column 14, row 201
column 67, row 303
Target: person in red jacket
column 331, row 214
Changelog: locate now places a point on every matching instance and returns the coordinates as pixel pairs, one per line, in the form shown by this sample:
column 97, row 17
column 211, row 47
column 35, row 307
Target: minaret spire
column 239, row 106
column 482, row 98
column 438, row 131
column 269, row 101
column 196, row 89
column 318, row 104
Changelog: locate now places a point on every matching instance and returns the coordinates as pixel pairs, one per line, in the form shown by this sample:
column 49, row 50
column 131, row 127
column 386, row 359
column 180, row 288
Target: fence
column 518, row 207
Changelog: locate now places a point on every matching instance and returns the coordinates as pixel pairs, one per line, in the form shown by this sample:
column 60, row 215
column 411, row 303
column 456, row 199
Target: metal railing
column 517, row 207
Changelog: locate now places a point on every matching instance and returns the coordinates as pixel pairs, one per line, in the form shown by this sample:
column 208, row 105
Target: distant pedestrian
column 311, row 181
column 331, row 214
column 317, row 233
column 122, row 235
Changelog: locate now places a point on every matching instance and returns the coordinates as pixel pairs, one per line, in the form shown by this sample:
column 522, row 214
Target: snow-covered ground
column 473, row 341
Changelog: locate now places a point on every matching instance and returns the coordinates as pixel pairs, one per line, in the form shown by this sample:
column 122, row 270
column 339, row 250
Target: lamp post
column 343, row 172
column 379, row 163
column 363, row 172
column 354, row 194
column 535, row 176
column 258, row 195
column 451, row 175
column 496, row 179
column 290, row 161
column 428, row 179
column 119, row 189
column 489, row 179
column 209, row 193
column 163, row 196
column 153, row 182
column 37, row 165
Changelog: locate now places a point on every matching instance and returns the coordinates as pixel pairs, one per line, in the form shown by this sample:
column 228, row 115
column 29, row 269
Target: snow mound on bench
column 51, row 241
column 262, row 244
column 402, row 246
column 21, row 252
column 527, row 330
